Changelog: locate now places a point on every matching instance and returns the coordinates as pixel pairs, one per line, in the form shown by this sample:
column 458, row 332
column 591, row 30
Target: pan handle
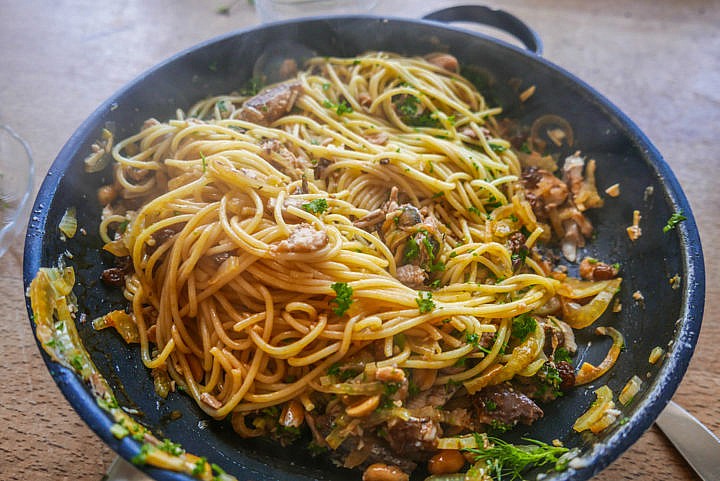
column 492, row 17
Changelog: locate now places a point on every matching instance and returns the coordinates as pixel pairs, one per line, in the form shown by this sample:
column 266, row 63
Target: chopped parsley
column 123, row 226
column 474, row 210
column 391, row 388
column 497, row 148
column 520, row 256
column 252, row 87
column 562, row 354
column 141, row 457
column 221, row 106
column 77, row 362
column 343, row 297
column 200, row 466
column 550, row 377
column 522, row 326
column 673, row 221
column 490, row 405
column 499, row 427
column 334, row 369
column 407, row 108
column 412, row 249
column 342, row 374
column 217, row 469
column 171, row 448
column 425, row 302
column 341, row 108
column 326, row 86
column 316, row 206
column 473, row 339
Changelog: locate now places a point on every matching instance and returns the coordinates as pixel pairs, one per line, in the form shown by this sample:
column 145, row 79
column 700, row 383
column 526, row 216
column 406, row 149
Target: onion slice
column 68, row 223
column 593, row 415
column 588, row 372
column 580, row 317
column 630, row 390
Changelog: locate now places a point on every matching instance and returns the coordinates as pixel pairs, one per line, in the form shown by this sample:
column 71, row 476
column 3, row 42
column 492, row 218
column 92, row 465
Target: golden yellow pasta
column 347, row 244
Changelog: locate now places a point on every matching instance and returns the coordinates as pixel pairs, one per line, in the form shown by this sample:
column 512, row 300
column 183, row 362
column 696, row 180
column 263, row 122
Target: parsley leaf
column 341, row 108
column 317, row 206
column 343, row 297
column 141, row 458
column 562, row 354
column 171, row 448
column 522, row 326
column 200, row 466
column 425, row 302
column 407, row 107
column 412, row 249
column 252, row 87
column 673, row 221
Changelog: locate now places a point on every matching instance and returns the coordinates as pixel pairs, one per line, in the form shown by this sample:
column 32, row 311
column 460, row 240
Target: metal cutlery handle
column 698, row 445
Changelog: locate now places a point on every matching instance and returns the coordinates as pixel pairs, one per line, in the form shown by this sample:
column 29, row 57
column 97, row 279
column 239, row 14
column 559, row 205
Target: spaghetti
column 341, row 245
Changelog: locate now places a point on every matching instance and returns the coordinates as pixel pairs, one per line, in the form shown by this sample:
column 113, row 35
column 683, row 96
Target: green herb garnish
column 522, row 326
column 425, row 302
column 507, row 462
column 252, row 87
column 341, row 108
column 343, row 297
column 200, row 466
column 141, row 457
column 316, row 206
column 412, row 249
column 171, row 447
column 407, row 107
column 673, row 221
column 562, row 354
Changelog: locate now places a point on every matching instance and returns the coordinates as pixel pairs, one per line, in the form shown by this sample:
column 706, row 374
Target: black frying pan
column 670, row 318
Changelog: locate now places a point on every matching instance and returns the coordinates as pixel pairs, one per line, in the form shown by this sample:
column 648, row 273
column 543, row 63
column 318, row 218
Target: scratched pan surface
column 670, row 318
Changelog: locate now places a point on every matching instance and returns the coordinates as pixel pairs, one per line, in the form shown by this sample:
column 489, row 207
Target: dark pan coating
column 623, row 154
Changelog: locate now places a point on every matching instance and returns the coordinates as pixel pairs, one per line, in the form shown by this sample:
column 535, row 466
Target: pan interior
column 223, row 65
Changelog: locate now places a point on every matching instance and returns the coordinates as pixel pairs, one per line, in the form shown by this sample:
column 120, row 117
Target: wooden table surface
column 659, row 61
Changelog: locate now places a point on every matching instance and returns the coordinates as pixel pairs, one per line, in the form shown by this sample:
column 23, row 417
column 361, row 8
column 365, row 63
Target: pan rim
column 668, row 377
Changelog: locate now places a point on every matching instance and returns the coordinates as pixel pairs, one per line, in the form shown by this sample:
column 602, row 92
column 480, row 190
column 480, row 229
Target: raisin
column 567, row 374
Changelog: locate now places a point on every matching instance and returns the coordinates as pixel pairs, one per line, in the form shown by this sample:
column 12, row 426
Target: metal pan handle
column 493, row 18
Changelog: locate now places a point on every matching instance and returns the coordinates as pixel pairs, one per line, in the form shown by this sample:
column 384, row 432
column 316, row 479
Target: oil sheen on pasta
column 359, row 253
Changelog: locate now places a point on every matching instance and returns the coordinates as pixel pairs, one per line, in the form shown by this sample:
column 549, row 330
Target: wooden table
column 658, row 61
